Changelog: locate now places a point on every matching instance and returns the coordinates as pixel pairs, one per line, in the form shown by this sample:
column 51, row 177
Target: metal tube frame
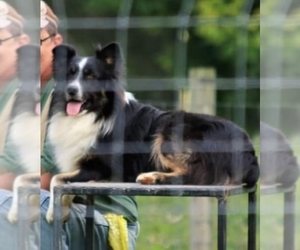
column 252, row 220
column 289, row 221
column 89, row 224
column 221, row 195
column 222, row 223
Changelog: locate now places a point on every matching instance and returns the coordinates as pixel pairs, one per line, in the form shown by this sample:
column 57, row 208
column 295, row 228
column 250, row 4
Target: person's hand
column 45, row 181
column 7, row 181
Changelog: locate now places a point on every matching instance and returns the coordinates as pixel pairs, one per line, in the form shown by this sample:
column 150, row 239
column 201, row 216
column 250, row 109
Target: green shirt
column 7, row 93
column 9, row 159
column 47, row 157
column 121, row 205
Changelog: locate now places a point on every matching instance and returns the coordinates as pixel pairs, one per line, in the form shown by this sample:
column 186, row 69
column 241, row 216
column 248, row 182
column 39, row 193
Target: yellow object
column 118, row 232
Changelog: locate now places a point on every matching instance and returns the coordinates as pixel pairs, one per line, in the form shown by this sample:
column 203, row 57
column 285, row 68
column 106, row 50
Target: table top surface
column 93, row 188
column 275, row 189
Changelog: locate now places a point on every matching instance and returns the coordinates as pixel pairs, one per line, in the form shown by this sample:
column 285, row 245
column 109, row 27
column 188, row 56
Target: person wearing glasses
column 12, row 37
column 118, row 208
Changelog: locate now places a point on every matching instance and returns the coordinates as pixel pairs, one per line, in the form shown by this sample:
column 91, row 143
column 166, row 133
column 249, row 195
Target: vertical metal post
column 222, row 223
column 57, row 223
column 23, row 220
column 252, row 214
column 289, row 221
column 89, row 236
column 241, row 64
column 182, row 37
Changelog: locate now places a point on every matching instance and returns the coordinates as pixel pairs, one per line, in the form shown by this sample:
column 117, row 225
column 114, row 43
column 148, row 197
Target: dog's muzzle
column 73, row 93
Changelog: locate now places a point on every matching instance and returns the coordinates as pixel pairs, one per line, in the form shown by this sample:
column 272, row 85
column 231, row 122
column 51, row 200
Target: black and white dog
column 24, row 130
column 99, row 135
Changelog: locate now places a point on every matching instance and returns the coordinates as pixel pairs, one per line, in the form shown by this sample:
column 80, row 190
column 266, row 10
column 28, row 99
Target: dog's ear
column 112, row 57
column 28, row 63
column 62, row 55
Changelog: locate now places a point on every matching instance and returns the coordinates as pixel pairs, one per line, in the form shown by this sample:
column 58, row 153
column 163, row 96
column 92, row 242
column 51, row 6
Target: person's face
column 46, row 53
column 8, row 54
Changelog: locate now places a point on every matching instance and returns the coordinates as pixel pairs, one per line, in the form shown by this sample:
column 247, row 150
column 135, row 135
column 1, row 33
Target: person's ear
column 58, row 39
column 23, row 39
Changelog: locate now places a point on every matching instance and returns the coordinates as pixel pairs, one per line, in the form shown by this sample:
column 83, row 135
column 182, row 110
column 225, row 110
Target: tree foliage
column 152, row 51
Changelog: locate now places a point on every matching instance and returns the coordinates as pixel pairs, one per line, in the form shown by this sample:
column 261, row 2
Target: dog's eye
column 91, row 77
column 72, row 70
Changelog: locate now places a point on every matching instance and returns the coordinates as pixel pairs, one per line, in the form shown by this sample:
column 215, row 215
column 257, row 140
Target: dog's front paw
column 65, row 214
column 66, row 210
column 50, row 214
column 12, row 215
column 148, row 178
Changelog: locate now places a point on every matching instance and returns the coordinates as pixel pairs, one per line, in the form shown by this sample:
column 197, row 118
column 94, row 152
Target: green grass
column 165, row 221
column 271, row 219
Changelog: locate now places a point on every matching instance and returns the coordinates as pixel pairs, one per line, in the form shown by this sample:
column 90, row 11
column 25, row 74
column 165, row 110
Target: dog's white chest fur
column 72, row 137
column 27, row 140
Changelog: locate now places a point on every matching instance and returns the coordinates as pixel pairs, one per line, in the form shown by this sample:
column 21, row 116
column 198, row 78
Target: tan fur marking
column 103, row 93
column 109, row 60
column 172, row 161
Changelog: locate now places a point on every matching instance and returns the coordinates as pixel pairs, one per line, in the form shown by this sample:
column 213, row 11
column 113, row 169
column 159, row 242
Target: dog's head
column 89, row 84
column 28, row 73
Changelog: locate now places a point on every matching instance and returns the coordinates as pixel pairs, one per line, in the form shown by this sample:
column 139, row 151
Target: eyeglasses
column 6, row 39
column 43, row 40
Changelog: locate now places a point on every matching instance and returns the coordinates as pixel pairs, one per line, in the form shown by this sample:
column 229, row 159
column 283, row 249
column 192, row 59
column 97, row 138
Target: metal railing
column 222, row 193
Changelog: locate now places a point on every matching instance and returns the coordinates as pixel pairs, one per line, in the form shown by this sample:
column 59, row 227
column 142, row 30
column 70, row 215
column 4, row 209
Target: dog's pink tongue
column 73, row 108
column 38, row 108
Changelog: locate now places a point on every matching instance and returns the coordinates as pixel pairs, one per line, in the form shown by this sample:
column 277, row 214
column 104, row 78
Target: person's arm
column 7, row 181
column 45, row 181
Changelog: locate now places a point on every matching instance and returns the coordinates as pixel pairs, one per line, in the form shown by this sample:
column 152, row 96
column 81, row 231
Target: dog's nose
column 72, row 91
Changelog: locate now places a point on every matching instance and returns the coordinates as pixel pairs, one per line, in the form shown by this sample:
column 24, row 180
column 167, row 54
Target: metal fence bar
column 156, row 22
column 289, row 211
column 252, row 217
column 289, row 221
column 241, row 65
column 23, row 224
column 59, row 8
column 181, row 42
column 23, row 215
column 57, row 223
column 89, row 225
column 166, row 84
column 122, row 25
column 222, row 223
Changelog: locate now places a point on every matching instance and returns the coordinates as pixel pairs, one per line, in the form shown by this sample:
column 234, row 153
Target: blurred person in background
column 12, row 37
column 118, row 207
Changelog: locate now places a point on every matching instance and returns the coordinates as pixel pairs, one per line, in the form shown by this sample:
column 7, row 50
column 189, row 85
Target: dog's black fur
column 28, row 73
column 198, row 149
